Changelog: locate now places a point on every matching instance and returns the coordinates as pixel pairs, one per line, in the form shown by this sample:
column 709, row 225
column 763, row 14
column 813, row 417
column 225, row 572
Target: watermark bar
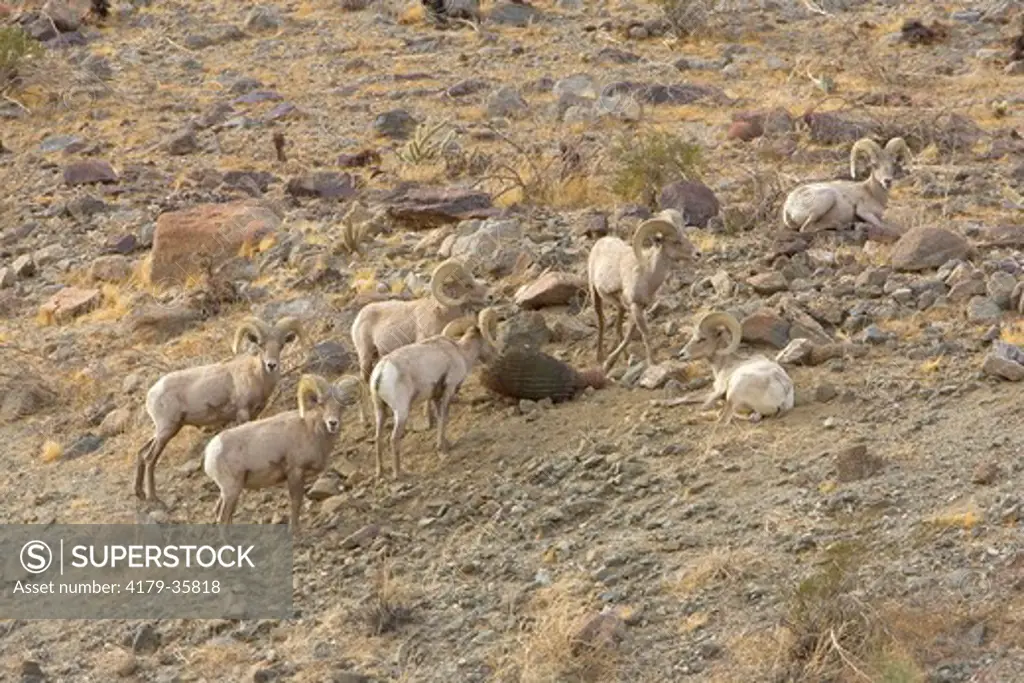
column 145, row 571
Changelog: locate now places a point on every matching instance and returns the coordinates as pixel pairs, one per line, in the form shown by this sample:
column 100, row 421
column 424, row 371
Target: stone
column 569, row 328
column 550, row 289
column 744, row 130
column 766, row 327
column 695, row 200
column 111, row 268
column 495, row 246
column 527, row 328
column 925, row 248
column 188, row 241
column 263, row 18
column 1000, row 288
column 1002, row 236
column 322, row 185
column 656, row 93
column 361, row 538
column 7, row 278
column 24, row 266
column 768, row 283
column 798, row 351
column 982, row 310
column 146, row 640
column 326, row 486
column 396, row 124
column 328, row 358
column 85, row 207
column 512, row 14
column 985, row 473
column 655, row 376
column 62, row 16
column 506, row 102
column 83, row 445
column 182, row 142
column 1004, row 361
column 467, row 87
column 89, row 171
column 423, row 208
column 577, row 85
column 115, row 422
column 69, row 303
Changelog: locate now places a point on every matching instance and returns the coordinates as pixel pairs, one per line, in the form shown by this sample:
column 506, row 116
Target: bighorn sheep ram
column 756, row 385
column 384, row 326
column 214, row 395
column 432, row 369
column 838, row 203
column 628, row 276
column 290, row 447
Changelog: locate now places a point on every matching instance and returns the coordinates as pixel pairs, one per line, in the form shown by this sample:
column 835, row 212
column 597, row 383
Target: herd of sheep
column 423, row 350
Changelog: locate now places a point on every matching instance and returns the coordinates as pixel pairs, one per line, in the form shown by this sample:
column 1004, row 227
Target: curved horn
column 311, row 384
column 442, row 274
column 662, row 224
column 348, row 386
column 487, row 321
column 290, row 324
column 709, row 321
column 250, row 326
column 897, row 148
column 868, row 145
column 457, row 328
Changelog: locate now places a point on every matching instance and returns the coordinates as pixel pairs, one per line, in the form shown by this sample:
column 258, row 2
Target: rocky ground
column 175, row 167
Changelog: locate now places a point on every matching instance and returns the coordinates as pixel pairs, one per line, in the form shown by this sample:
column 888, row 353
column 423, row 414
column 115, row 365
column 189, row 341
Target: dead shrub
column 648, row 161
column 686, row 17
column 385, row 609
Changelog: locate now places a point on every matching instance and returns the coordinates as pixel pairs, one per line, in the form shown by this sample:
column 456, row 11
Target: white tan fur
column 383, row 326
column 290, row 447
column 432, row 369
column 838, row 203
column 628, row 276
column 214, row 395
column 757, row 385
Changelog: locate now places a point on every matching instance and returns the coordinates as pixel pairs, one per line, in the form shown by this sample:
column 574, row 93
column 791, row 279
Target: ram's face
column 332, row 412
column 704, row 344
column 681, row 249
column 885, row 173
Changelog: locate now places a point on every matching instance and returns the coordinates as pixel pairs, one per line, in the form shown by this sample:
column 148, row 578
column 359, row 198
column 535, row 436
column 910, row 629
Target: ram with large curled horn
column 432, row 370
column 838, row 204
column 384, row 326
column 752, row 386
column 628, row 276
column 214, row 395
column 289, row 448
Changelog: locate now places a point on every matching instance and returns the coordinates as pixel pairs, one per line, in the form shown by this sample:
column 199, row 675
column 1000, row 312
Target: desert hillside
column 170, row 169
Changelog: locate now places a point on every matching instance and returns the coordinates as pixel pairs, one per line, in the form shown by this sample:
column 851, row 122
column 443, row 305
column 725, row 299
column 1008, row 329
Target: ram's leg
column 396, row 442
column 160, row 442
column 599, row 312
column 140, row 467
column 711, row 398
column 217, row 508
column 442, row 423
column 728, row 410
column 641, row 324
column 365, row 370
column 378, row 434
column 821, row 205
column 227, row 510
column 296, row 491
column 620, row 313
column 617, row 351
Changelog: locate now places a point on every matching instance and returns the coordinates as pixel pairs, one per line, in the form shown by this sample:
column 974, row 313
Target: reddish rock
column 186, row 242
column 89, row 171
column 744, row 130
column 69, row 303
column 765, row 327
column 421, row 208
column 550, row 289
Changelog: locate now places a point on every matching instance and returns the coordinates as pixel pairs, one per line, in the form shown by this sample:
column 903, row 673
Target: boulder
column 924, row 248
column 695, row 200
column 550, row 289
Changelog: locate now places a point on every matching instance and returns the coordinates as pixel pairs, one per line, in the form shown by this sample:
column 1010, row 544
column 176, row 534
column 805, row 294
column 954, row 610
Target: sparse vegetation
column 687, row 17
column 645, row 163
column 16, row 49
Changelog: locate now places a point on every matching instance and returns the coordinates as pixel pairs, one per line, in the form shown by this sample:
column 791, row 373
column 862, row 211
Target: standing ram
column 628, row 276
column 214, row 395
column 432, row 370
column 384, row 326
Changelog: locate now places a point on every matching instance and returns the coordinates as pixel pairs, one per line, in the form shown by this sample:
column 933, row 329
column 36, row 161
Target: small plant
column 648, row 162
column 16, row 47
column 686, row 17
column 424, row 146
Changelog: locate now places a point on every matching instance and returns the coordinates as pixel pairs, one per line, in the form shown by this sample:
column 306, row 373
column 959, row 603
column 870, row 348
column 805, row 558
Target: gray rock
column 982, row 310
column 796, row 352
column 768, row 283
column 924, row 248
column 397, row 124
column 695, row 200
column 577, row 85
column 182, row 142
column 506, row 102
column 1004, row 361
column 495, row 246
column 85, row 444
column 263, row 18
column 527, row 328
column 1000, row 288
column 509, row 14
column 24, row 266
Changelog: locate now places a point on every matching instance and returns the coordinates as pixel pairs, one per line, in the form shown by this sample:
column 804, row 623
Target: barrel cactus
column 524, row 373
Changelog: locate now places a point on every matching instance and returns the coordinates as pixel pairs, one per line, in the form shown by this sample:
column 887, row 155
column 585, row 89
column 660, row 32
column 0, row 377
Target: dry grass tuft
column 51, row 451
column 714, row 568
column 564, row 640
column 387, row 608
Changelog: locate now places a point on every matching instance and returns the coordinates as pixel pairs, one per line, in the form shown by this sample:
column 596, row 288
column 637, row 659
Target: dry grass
column 550, row 649
column 51, row 451
column 720, row 566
